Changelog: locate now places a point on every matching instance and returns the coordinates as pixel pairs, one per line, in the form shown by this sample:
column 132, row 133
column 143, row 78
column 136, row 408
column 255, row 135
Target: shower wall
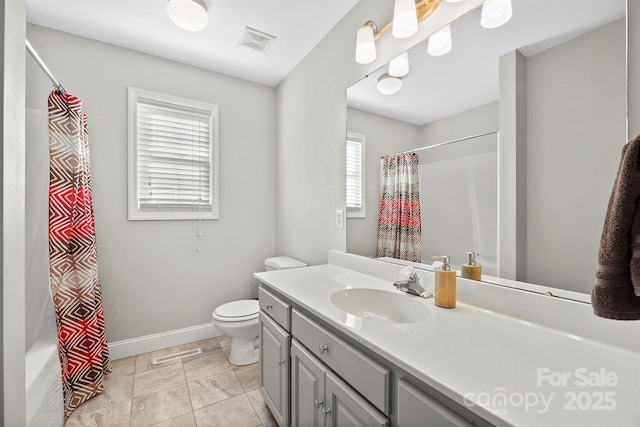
column 40, row 320
column 459, row 199
column 43, row 386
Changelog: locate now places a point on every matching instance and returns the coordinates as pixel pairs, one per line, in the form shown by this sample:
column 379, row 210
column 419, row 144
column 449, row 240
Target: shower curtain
column 399, row 225
column 73, row 262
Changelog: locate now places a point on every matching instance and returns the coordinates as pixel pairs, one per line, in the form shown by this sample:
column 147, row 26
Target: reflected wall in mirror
column 574, row 113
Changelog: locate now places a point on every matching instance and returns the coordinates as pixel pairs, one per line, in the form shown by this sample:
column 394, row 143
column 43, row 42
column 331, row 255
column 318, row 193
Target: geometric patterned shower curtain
column 73, row 261
column 399, row 224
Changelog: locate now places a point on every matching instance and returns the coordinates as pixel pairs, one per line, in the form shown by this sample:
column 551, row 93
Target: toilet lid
column 236, row 311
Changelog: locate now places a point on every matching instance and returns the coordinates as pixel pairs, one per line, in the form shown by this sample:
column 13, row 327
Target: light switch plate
column 339, row 218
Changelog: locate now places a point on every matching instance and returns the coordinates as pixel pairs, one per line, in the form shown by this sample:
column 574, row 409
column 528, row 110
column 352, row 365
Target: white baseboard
column 147, row 343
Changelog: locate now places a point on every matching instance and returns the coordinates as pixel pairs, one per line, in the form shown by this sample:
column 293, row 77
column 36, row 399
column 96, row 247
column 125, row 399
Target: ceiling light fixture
column 388, row 85
column 495, row 13
column 440, row 43
column 399, row 66
column 365, row 53
column 190, row 15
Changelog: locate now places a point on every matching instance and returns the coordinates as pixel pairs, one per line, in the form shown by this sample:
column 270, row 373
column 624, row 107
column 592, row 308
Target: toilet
column 239, row 319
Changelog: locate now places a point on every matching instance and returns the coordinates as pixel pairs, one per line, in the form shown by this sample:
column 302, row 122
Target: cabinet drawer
column 365, row 375
column 277, row 309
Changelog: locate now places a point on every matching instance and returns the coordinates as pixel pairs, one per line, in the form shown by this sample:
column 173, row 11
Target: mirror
column 575, row 119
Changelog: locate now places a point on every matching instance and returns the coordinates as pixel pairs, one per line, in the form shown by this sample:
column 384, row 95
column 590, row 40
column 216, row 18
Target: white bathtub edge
column 43, row 384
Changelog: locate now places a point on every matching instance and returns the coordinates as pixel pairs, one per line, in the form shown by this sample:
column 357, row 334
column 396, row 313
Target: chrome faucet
column 411, row 285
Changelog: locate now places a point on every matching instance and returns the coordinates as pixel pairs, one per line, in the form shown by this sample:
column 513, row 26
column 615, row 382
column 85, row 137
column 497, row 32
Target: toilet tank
column 282, row 263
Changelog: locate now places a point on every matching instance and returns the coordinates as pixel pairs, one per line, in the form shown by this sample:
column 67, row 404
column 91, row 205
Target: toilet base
column 243, row 351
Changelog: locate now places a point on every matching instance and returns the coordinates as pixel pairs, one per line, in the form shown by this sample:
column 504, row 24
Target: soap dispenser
column 445, row 288
column 472, row 270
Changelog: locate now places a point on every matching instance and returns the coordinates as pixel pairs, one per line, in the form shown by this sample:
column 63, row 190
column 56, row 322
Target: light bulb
column 190, row 15
column 405, row 19
column 399, row 66
column 495, row 13
column 366, row 44
column 440, row 43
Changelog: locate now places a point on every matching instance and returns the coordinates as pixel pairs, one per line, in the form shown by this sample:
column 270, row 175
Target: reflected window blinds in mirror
column 406, row 18
column 356, row 206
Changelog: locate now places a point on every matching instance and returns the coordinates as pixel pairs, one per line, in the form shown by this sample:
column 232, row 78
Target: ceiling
column 436, row 87
column 467, row 77
column 144, row 25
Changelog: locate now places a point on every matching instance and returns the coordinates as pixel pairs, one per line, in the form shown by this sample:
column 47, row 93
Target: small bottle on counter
column 445, row 287
column 472, row 270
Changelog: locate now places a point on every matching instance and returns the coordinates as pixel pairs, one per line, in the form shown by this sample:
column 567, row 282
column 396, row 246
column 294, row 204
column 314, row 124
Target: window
column 173, row 157
column 355, row 175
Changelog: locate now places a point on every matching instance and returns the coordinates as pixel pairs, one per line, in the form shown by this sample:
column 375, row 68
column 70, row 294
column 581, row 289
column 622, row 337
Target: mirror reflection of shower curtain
column 399, row 221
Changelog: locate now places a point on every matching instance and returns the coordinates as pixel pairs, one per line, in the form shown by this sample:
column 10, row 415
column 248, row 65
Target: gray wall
column 472, row 122
column 576, row 116
column 384, row 136
column 152, row 278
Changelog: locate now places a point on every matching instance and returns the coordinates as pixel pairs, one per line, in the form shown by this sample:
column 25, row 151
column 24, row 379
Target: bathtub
column 45, row 405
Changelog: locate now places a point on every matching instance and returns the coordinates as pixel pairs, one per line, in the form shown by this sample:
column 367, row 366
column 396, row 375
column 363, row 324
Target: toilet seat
column 237, row 311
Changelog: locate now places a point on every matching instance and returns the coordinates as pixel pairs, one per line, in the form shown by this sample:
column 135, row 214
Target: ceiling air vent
column 256, row 39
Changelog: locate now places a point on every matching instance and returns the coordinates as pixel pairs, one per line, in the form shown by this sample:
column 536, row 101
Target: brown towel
column 616, row 294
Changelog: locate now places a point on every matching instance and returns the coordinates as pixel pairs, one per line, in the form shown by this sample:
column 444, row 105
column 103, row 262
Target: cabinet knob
column 323, row 348
column 282, row 361
column 319, row 403
column 327, row 412
column 269, row 306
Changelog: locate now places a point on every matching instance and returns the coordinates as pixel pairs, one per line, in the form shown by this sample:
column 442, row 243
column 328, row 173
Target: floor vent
column 175, row 356
column 256, row 39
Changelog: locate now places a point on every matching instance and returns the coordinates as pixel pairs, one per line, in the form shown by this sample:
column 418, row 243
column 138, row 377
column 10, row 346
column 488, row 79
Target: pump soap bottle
column 445, row 288
column 472, row 270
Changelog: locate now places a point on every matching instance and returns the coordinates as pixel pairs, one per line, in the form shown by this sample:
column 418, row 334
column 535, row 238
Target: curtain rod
column 44, row 67
column 441, row 144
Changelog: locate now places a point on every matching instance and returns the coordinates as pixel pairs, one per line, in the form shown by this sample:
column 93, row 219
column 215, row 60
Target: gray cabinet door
column 307, row 388
column 274, row 368
column 418, row 409
column 344, row 407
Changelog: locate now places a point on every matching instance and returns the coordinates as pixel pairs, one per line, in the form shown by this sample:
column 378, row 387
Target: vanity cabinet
column 274, row 368
column 307, row 388
column 416, row 408
column 313, row 376
column 320, row 398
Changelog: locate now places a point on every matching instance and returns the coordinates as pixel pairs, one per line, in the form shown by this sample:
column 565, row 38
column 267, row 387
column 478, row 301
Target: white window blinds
column 355, row 175
column 175, row 149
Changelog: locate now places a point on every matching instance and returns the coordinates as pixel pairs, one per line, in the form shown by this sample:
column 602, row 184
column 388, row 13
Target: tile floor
column 200, row 390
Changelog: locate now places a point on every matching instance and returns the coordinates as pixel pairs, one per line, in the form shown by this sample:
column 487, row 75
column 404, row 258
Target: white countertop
column 509, row 371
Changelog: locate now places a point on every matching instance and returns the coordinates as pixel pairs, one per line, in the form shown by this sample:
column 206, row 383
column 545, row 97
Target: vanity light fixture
column 440, row 42
column 388, row 85
column 366, row 43
column 368, row 33
column 495, row 13
column 399, row 66
column 190, row 15
column 405, row 19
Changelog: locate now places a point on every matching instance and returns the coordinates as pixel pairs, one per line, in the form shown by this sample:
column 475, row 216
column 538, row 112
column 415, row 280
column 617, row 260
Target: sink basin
column 380, row 305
